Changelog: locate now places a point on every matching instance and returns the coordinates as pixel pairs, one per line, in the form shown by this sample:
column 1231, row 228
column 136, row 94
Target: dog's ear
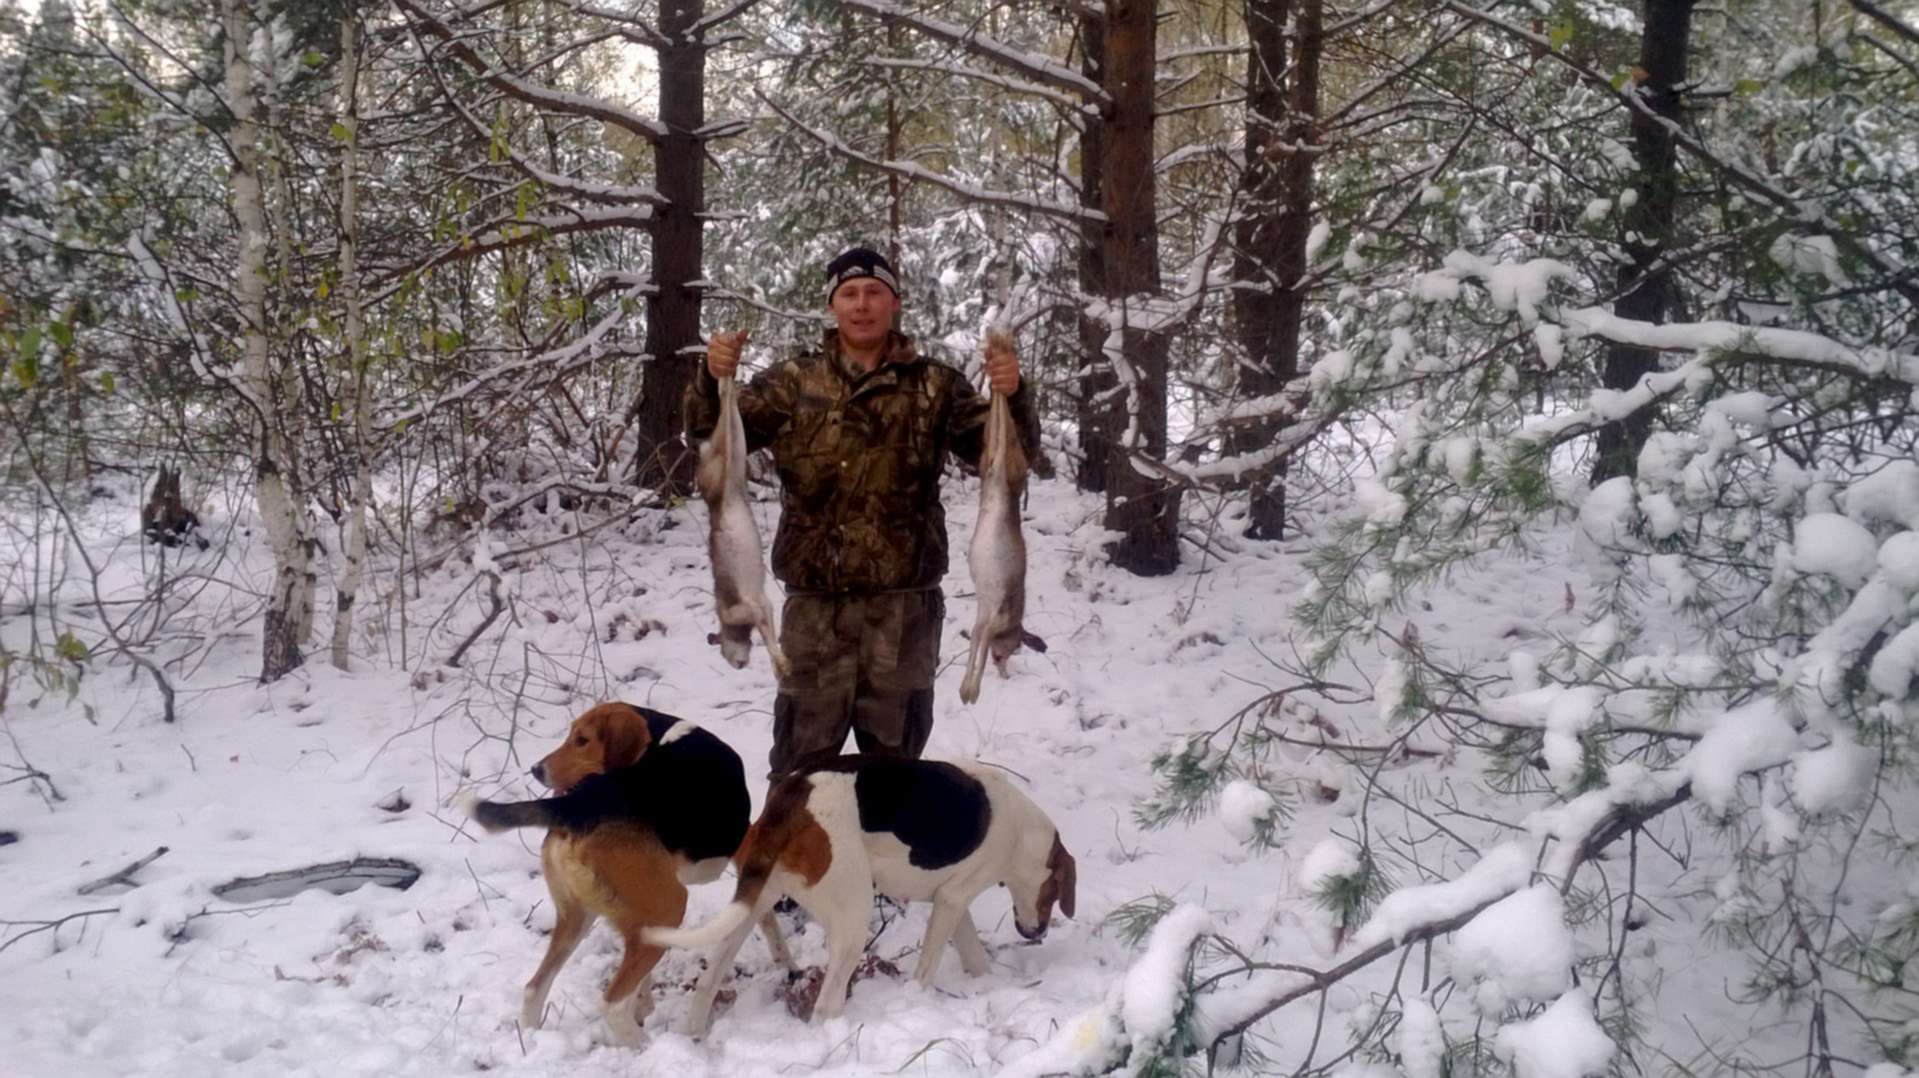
column 623, row 737
column 1065, row 875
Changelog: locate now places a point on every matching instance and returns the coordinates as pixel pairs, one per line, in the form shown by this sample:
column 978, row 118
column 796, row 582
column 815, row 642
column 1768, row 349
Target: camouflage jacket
column 859, row 458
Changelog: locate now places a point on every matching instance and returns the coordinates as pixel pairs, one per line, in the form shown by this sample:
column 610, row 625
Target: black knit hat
column 859, row 262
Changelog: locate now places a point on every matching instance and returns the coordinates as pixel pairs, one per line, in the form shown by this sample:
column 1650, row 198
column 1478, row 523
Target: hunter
column 860, row 429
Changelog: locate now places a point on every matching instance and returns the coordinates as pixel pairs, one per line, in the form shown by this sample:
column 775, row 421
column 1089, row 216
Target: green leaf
column 314, row 59
column 106, row 381
column 1562, row 34
column 30, row 344
column 62, row 334
column 70, row 647
column 1620, row 78
column 26, row 373
column 340, row 133
column 1747, row 87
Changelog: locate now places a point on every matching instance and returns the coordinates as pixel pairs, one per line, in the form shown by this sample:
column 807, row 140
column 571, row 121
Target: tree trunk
column 1096, row 380
column 1143, row 508
column 1276, row 192
column 673, row 311
column 289, row 417
column 277, row 483
column 348, row 588
column 895, row 129
column 1645, row 285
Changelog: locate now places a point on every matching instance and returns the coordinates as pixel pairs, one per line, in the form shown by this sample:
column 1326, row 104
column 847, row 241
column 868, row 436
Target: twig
column 47, row 926
column 493, row 589
column 125, row 875
column 29, row 772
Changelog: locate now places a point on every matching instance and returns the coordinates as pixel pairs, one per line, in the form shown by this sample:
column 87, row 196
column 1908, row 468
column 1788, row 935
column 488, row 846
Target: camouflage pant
column 863, row 663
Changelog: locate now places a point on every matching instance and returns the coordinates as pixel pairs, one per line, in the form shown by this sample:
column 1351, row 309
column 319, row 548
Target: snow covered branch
column 991, row 78
column 1886, row 19
column 1068, row 212
column 609, row 194
column 551, row 363
column 528, row 91
column 1731, row 341
column 1899, row 279
column 635, row 29
column 1042, row 69
column 510, row 232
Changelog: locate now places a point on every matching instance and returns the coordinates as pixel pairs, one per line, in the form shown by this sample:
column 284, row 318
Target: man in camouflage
column 860, row 429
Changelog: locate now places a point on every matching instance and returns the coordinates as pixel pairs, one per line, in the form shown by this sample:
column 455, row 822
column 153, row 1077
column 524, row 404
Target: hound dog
column 835, row 832
column 645, row 803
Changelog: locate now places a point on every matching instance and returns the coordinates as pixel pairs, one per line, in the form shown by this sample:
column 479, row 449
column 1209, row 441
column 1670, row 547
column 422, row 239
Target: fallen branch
column 125, row 875
column 48, row 926
column 493, row 587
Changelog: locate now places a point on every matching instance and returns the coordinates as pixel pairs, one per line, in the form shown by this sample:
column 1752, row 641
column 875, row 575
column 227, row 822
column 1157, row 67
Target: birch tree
column 358, row 406
column 278, row 486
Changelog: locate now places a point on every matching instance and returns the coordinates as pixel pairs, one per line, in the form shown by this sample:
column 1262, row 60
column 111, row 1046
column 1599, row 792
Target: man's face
column 863, row 308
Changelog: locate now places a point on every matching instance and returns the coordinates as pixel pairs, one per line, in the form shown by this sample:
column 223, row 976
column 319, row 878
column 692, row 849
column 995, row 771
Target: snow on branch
column 1071, row 213
column 532, row 92
column 513, row 232
column 1899, row 279
column 724, row 15
column 552, row 363
column 1035, row 66
column 1886, row 19
column 606, row 193
column 633, row 28
column 1414, row 914
column 1004, row 82
column 1201, row 50
column 1794, row 347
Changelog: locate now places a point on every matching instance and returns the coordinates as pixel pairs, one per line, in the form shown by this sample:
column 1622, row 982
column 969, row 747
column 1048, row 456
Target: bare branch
column 124, row 876
column 1038, row 68
column 1071, row 213
column 532, row 92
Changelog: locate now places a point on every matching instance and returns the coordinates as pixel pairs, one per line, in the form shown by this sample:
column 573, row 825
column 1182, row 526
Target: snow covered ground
column 165, row 978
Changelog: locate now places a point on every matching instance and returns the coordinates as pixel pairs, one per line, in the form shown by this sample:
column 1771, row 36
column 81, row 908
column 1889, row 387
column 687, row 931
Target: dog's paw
column 623, row 1029
column 532, row 1009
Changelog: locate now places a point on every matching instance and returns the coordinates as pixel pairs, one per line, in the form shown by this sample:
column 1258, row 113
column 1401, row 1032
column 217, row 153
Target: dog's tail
column 758, row 856
column 725, row 924
column 499, row 816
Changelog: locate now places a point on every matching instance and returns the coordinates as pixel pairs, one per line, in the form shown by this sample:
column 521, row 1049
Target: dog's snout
column 539, row 773
column 1033, row 934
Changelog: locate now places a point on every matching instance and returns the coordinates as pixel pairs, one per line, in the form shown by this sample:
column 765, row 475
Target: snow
column 1817, row 255
column 1715, row 336
column 1551, row 342
column 1894, row 667
column 1503, row 870
column 1563, row 1042
column 256, row 779
column 1606, row 515
column 1835, row 546
column 1899, row 561
column 1743, row 739
column 1795, row 58
column 1518, row 950
column 1834, row 778
column 1420, row 1040
column 1151, row 990
column 1322, row 231
column 1511, row 286
column 1889, row 495
column 1242, row 806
